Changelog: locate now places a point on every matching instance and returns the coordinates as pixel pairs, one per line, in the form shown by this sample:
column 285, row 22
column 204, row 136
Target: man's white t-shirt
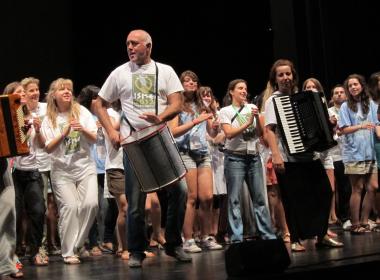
column 135, row 86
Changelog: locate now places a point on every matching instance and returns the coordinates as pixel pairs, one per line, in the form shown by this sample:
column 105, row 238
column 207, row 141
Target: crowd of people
column 76, row 194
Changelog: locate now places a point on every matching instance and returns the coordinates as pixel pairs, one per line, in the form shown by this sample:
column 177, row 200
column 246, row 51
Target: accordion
column 304, row 123
column 13, row 137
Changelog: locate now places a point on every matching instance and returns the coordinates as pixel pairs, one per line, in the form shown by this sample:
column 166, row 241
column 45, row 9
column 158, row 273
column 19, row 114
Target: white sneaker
column 347, row 225
column 189, row 246
column 210, row 243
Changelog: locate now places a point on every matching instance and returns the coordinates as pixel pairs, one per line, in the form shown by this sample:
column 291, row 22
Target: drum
column 154, row 158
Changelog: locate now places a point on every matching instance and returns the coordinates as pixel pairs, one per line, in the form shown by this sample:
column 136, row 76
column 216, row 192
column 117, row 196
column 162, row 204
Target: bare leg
column 155, row 215
column 122, row 206
column 330, row 175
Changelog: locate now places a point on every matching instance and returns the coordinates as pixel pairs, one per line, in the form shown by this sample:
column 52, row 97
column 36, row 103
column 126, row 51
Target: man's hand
column 151, row 118
column 114, row 137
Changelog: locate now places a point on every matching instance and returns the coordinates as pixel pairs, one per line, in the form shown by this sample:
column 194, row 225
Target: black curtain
column 327, row 40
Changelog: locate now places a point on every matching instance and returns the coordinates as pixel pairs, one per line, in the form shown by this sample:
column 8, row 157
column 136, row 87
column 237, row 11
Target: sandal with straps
column 71, row 260
column 297, row 247
column 357, row 229
column 286, row 237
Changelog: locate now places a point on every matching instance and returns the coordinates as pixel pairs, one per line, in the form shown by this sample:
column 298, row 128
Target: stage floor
column 360, row 255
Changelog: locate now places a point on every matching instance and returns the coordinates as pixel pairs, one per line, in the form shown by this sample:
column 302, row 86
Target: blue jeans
column 238, row 168
column 177, row 197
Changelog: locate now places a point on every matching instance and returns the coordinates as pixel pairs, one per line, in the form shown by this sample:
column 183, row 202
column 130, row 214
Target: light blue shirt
column 197, row 132
column 100, row 163
column 359, row 145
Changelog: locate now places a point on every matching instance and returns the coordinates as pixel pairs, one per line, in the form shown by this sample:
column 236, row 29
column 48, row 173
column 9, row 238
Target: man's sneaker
column 347, row 225
column 191, row 247
column 135, row 260
column 178, row 253
column 210, row 243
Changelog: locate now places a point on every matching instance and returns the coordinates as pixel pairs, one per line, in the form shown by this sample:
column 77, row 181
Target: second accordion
column 13, row 137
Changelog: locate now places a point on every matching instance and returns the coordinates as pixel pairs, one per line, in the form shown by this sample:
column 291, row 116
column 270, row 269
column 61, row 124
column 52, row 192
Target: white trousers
column 77, row 205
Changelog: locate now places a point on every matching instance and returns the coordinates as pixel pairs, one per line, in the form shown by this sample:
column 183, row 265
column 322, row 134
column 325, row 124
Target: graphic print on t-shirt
column 143, row 90
column 71, row 141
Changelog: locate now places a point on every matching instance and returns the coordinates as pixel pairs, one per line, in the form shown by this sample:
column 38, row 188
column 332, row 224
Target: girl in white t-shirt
column 242, row 162
column 70, row 131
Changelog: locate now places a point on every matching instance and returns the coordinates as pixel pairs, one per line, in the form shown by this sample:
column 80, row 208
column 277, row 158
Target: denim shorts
column 192, row 160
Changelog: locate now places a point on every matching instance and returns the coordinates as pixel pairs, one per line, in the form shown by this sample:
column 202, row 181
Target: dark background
column 85, row 41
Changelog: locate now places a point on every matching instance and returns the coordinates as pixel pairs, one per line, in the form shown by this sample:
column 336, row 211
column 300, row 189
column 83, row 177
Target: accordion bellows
column 13, row 138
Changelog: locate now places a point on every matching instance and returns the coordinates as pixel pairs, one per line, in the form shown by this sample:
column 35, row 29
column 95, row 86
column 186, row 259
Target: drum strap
column 156, row 103
column 156, row 88
column 123, row 117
